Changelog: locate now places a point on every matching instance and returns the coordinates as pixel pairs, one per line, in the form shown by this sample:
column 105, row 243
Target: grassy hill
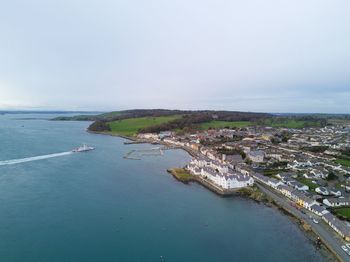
column 290, row 122
column 223, row 124
column 131, row 126
column 130, row 122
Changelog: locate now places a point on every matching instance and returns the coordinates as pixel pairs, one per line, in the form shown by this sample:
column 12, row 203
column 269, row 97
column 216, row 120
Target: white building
column 219, row 174
column 322, row 191
column 299, row 186
column 335, row 192
column 256, row 156
column 336, row 202
column 148, row 136
column 318, row 210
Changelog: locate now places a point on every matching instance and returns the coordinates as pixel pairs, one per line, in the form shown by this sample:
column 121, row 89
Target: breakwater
column 138, row 154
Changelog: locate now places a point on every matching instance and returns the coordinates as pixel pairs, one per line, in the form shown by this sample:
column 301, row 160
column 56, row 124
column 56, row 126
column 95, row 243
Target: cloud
column 251, row 55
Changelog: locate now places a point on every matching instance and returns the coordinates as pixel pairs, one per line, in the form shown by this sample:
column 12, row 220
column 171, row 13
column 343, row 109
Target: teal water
column 97, row 206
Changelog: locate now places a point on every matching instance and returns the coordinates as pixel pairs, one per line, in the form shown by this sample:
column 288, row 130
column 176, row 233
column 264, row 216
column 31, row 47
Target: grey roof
column 296, row 184
column 334, row 200
column 323, row 189
column 210, row 171
column 256, row 153
column 337, row 223
column 317, row 208
column 261, row 177
column 273, row 180
column 284, row 187
column 287, row 174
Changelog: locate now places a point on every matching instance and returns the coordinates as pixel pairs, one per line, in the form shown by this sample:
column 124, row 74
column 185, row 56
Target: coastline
column 252, row 193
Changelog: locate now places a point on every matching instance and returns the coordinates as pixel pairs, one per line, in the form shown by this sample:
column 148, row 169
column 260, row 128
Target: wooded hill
column 187, row 119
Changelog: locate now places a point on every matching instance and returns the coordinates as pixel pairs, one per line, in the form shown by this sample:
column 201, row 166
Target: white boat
column 315, row 221
column 347, row 245
column 344, row 248
column 83, row 148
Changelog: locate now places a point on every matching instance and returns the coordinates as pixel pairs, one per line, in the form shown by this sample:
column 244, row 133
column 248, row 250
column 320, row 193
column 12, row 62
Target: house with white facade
column 219, row 174
column 340, row 227
column 318, row 210
column 256, row 156
column 322, row 191
column 286, row 175
column 299, row 186
column 285, row 190
column 334, row 192
column 148, row 136
column 336, row 202
column 274, row 182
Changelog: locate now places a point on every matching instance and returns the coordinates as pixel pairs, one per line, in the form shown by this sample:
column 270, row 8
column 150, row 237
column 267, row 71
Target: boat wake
column 34, row 158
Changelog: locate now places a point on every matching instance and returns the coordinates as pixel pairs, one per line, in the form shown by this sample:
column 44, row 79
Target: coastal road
column 327, row 235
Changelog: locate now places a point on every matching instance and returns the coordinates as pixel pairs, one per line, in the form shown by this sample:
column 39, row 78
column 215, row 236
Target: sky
column 251, row 55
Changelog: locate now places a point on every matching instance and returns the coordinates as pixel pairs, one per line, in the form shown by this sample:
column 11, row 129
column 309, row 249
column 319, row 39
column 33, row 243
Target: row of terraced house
column 219, row 174
column 304, row 201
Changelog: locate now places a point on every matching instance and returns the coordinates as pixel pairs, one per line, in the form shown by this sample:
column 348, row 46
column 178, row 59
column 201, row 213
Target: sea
column 98, row 206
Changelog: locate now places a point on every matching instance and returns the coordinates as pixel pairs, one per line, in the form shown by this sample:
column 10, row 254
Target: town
column 306, row 168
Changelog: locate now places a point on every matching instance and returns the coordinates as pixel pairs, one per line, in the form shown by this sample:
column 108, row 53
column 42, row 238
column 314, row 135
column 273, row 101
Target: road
column 328, row 236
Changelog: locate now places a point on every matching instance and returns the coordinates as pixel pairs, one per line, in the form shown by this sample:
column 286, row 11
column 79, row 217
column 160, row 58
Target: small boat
column 345, row 248
column 347, row 245
column 315, row 221
column 83, row 148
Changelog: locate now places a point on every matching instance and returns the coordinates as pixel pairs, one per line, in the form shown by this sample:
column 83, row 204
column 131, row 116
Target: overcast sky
column 251, row 55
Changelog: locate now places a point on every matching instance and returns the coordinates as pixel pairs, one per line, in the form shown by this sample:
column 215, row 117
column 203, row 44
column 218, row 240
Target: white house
column 336, row 202
column 229, row 180
column 217, row 165
column 285, row 190
column 219, row 174
column 194, row 169
column 318, row 210
column 299, row 186
column 337, row 225
column 322, row 191
column 274, row 182
column 148, row 136
column 335, row 192
column 286, row 175
column 319, row 173
column 256, row 156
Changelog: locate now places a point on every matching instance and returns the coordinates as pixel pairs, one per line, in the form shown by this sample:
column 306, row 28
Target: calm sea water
column 97, row 206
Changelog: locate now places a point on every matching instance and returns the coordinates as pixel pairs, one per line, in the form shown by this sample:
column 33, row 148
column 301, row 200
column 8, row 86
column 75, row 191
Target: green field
column 131, row 126
column 286, row 123
column 181, row 174
column 289, row 123
column 223, row 124
column 343, row 162
column 343, row 212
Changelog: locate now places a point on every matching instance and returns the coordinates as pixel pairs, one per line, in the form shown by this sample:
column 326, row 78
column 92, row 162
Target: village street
column 322, row 229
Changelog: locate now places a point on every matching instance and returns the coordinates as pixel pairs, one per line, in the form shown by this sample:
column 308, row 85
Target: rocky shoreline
column 258, row 196
column 255, row 194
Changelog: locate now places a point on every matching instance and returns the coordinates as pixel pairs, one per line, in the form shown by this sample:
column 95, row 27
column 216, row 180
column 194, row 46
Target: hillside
column 131, row 122
column 131, row 126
